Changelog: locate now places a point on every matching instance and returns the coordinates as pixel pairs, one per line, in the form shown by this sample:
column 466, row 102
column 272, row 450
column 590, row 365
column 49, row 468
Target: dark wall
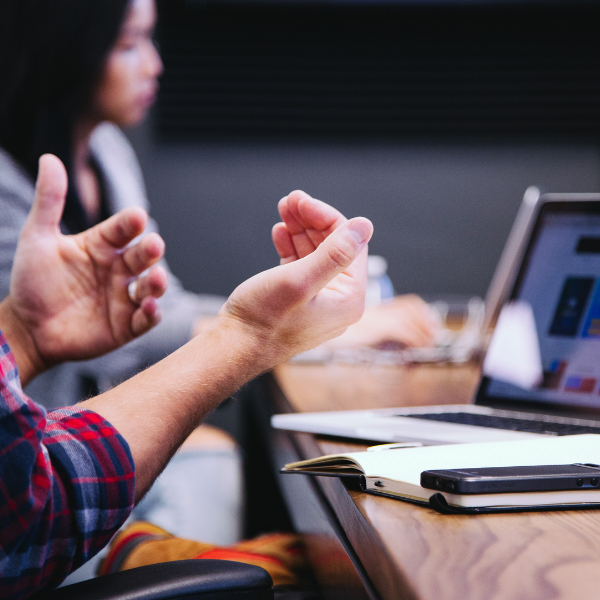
column 359, row 70
column 432, row 122
column 441, row 211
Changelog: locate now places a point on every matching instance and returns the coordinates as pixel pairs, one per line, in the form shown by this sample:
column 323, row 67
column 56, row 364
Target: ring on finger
column 132, row 291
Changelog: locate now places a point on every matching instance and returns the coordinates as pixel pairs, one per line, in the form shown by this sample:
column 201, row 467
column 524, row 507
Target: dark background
column 431, row 120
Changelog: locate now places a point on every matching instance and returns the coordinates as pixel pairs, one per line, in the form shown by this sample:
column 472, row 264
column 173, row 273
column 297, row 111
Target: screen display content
column 560, row 280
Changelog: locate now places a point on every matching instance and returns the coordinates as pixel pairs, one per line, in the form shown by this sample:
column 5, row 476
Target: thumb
column 335, row 255
column 50, row 194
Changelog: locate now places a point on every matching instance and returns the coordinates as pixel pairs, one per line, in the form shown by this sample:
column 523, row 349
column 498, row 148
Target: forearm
column 157, row 409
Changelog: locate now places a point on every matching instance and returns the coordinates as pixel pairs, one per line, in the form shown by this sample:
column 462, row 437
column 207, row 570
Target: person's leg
column 199, row 495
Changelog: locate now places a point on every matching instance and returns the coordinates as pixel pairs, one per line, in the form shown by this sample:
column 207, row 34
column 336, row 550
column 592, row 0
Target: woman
column 73, row 72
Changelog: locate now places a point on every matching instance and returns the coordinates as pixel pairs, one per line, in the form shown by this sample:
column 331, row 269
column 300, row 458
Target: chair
column 178, row 580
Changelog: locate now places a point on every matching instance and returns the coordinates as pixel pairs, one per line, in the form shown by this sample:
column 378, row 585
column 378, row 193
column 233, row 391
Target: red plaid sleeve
column 66, row 486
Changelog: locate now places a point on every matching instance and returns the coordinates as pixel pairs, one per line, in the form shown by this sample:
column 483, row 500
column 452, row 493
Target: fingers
column 304, row 241
column 153, row 284
column 408, row 333
column 335, row 255
column 283, row 243
column 309, row 221
column 120, row 229
column 50, row 193
column 293, row 225
column 407, row 319
column 413, row 312
column 148, row 289
column 148, row 251
column 306, row 212
column 146, row 316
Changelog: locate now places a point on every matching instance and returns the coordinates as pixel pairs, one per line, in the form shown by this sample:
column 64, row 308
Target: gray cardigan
column 62, row 385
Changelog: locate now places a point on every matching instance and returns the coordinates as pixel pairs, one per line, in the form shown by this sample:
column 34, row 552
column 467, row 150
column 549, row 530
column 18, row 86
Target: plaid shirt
column 66, row 486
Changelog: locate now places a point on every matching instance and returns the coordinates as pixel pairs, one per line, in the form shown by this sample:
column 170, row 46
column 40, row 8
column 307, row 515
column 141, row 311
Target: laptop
column 552, row 264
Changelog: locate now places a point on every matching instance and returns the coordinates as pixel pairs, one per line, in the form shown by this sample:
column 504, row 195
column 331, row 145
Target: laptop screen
column 560, row 279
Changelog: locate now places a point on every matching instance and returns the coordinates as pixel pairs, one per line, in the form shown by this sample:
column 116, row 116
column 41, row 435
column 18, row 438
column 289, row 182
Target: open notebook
column 397, row 473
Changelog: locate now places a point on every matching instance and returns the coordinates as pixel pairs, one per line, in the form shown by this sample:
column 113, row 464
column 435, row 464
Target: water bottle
column 379, row 285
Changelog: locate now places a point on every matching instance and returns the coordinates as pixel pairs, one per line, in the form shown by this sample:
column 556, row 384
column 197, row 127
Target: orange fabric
column 281, row 554
column 117, row 548
column 229, row 554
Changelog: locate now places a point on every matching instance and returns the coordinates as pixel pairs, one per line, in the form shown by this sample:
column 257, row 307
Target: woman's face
column 129, row 83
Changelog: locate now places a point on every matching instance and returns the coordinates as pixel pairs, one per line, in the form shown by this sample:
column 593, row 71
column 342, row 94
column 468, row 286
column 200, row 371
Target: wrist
column 21, row 342
column 248, row 349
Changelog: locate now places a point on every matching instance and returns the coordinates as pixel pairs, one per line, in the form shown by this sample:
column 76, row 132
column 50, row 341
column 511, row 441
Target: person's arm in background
column 406, row 320
column 16, row 196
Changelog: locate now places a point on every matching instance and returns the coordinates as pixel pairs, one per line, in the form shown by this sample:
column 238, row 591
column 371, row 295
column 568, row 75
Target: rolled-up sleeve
column 66, row 486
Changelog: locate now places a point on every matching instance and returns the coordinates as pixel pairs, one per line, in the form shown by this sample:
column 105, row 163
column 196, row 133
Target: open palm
column 71, row 292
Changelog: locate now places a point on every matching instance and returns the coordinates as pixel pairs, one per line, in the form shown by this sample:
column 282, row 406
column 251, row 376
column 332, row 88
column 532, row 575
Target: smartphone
column 503, row 480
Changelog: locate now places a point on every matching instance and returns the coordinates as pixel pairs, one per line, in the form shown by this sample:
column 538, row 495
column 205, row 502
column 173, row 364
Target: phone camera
column 580, row 482
column 594, row 482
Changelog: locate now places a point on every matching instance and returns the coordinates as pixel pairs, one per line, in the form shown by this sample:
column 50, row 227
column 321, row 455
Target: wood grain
column 527, row 555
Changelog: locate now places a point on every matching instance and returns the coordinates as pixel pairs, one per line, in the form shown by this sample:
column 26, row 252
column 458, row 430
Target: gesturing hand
column 306, row 223
column 406, row 320
column 68, row 295
column 319, row 288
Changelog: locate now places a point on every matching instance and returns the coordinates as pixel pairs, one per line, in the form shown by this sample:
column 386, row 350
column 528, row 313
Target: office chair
column 178, row 580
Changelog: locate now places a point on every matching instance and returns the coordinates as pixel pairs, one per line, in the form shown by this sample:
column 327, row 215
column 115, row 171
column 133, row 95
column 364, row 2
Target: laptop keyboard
column 514, row 424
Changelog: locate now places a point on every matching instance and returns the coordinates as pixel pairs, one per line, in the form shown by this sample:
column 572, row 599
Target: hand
column 319, row 288
column 69, row 294
column 306, row 223
column 405, row 321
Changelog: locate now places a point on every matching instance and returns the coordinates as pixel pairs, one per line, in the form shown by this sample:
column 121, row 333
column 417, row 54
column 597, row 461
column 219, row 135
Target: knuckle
column 122, row 226
column 341, row 255
column 138, row 257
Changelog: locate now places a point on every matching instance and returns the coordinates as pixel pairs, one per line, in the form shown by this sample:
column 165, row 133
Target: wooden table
column 364, row 546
